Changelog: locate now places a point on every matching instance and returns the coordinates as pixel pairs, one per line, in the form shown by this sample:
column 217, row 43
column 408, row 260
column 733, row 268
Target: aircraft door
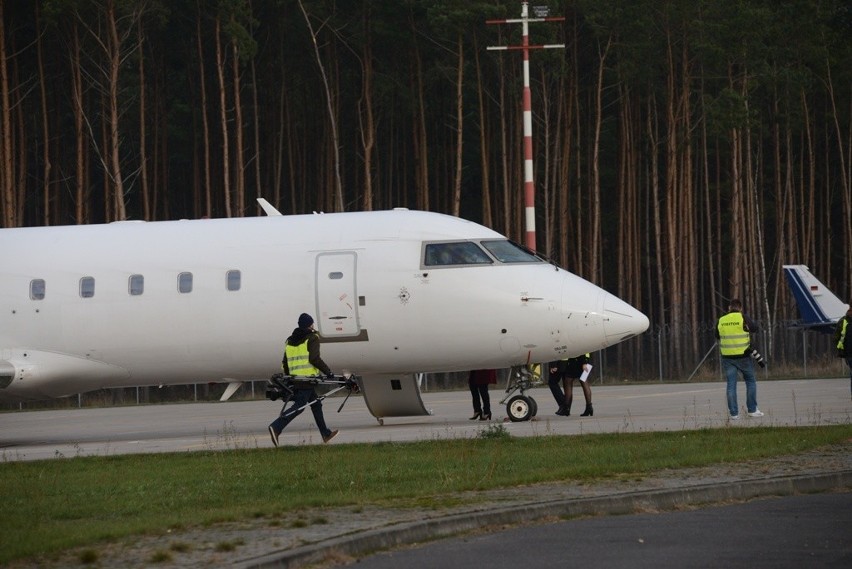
column 337, row 295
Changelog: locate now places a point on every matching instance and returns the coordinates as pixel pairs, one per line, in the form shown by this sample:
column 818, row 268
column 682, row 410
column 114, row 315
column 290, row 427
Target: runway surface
column 36, row 435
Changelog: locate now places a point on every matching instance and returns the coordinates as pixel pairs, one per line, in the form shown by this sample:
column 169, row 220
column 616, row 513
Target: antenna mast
column 541, row 15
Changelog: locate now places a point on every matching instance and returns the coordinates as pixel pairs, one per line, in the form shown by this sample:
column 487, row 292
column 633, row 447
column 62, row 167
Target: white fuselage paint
column 377, row 308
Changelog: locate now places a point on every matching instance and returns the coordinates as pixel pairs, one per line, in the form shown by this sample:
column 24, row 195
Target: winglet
column 268, row 207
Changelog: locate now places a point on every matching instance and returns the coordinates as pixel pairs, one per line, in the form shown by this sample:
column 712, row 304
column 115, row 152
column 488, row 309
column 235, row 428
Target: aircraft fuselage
column 151, row 303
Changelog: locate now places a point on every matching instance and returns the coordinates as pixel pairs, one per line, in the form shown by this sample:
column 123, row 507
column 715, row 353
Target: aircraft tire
column 520, row 408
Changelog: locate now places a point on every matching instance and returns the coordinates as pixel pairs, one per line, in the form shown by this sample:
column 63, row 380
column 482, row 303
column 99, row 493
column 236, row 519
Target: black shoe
column 485, row 417
column 562, row 411
column 476, row 416
column 273, row 435
column 589, row 412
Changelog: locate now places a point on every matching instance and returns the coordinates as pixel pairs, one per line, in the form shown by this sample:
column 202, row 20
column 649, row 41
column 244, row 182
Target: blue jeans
column 744, row 366
column 300, row 398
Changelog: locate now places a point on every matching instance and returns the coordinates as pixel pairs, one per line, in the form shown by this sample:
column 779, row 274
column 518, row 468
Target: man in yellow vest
column 843, row 340
column 302, row 359
column 732, row 331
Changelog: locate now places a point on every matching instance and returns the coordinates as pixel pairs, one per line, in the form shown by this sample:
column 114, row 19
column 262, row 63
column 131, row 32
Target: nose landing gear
column 521, row 407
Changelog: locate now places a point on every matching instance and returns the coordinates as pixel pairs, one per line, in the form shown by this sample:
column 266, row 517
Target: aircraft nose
column 621, row 321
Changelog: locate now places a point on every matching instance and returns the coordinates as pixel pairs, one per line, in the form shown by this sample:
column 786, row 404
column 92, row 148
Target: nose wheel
column 521, row 408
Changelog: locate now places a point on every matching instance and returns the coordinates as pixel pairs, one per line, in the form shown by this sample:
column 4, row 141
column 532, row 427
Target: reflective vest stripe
column 843, row 328
column 733, row 338
column 298, row 360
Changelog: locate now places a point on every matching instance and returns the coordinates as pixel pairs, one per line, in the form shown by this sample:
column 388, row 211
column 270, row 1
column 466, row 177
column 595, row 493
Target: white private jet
column 393, row 293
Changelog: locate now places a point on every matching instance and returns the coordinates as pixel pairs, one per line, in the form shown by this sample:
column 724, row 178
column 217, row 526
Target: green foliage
column 57, row 504
column 494, row 431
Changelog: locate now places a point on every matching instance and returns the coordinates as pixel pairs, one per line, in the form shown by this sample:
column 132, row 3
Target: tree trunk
column 367, row 126
column 143, row 156
column 8, row 169
column 45, row 122
column 223, row 119
column 205, row 126
column 114, row 53
column 595, row 210
column 455, row 206
column 483, row 146
column 335, row 142
column 239, row 159
column 80, row 170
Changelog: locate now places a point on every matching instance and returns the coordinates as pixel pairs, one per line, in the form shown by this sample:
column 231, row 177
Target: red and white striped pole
column 529, row 183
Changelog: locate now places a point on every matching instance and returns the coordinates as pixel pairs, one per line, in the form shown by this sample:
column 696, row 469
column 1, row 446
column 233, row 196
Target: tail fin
column 818, row 306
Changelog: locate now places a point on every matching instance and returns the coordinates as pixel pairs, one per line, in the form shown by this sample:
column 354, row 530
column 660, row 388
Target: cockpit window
column 457, row 253
column 509, row 252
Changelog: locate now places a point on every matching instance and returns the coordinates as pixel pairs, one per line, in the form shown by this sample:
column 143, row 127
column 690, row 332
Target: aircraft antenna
column 541, row 14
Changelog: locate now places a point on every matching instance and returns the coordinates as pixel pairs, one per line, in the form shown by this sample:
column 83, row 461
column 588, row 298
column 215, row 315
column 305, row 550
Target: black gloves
column 329, row 375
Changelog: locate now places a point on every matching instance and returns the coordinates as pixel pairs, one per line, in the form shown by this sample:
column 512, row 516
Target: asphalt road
column 34, row 435
column 771, row 533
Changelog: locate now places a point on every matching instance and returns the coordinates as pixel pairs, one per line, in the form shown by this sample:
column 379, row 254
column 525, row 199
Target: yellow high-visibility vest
column 297, row 359
column 843, row 328
column 733, row 337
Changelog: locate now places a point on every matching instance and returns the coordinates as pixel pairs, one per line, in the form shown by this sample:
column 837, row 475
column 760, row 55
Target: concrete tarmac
column 36, row 435
column 346, row 535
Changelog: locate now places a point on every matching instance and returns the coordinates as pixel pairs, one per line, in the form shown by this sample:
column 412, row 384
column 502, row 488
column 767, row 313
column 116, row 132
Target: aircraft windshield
column 508, row 252
column 458, row 253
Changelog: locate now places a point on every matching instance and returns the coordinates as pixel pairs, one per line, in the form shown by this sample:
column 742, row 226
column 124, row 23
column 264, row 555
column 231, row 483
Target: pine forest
column 684, row 150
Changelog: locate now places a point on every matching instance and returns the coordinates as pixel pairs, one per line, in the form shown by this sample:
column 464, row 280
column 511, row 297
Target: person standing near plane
column 554, row 382
column 732, row 331
column 302, row 358
column 843, row 341
column 566, row 371
column 479, row 380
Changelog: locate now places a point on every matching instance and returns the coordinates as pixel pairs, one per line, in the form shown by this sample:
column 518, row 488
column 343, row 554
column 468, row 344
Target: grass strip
column 52, row 505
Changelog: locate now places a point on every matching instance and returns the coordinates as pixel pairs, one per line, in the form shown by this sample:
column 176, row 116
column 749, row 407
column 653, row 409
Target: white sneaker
column 757, row 413
column 735, row 417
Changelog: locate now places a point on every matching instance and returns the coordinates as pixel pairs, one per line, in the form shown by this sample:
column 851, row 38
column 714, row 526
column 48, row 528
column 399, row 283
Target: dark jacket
column 300, row 335
column 572, row 367
column 482, row 376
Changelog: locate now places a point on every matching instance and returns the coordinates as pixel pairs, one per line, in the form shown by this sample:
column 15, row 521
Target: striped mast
column 525, row 47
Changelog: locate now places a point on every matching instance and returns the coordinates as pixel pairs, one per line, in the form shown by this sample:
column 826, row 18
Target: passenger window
column 510, row 252
column 37, row 289
column 185, row 282
column 233, row 279
column 87, row 287
column 335, row 276
column 461, row 253
column 136, row 285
